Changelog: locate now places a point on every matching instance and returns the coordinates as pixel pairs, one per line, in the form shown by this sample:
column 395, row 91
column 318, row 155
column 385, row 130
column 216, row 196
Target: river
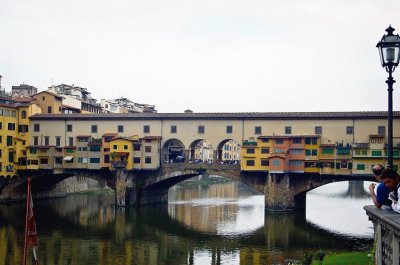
column 202, row 224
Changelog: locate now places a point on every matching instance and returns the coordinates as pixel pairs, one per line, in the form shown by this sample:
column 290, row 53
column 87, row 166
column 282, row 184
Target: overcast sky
column 205, row 55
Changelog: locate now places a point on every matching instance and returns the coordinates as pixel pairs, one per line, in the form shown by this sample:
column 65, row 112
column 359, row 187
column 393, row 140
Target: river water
column 202, row 224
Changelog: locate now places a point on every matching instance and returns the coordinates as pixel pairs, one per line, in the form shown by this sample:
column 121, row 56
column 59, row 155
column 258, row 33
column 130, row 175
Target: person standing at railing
column 391, row 179
column 381, row 197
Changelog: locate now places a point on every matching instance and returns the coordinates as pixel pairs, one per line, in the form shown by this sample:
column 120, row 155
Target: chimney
column 0, row 80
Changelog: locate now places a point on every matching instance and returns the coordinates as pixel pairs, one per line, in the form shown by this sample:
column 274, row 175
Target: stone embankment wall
column 63, row 188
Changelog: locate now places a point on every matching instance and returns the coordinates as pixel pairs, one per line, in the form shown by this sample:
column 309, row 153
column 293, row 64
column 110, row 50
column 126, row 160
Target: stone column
column 278, row 193
column 120, row 187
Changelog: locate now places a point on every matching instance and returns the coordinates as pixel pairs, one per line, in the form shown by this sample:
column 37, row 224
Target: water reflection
column 337, row 207
column 220, row 224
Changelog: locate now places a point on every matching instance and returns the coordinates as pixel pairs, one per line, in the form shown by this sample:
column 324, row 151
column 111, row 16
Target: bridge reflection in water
column 88, row 229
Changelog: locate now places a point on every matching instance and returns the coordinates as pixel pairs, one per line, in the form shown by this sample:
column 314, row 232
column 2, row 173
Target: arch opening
column 173, row 150
column 228, row 152
column 201, row 151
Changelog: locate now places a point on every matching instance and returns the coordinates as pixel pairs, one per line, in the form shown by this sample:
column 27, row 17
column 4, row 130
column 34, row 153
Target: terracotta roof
column 221, row 116
column 23, row 99
column 50, row 93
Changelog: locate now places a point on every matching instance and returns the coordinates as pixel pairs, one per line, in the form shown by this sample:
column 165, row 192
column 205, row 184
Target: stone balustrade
column 387, row 234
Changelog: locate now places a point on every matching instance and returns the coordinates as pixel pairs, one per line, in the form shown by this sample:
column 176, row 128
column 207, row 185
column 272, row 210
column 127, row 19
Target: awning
column 68, row 158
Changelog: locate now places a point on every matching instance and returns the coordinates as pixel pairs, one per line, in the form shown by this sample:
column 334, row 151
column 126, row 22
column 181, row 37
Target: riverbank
column 345, row 258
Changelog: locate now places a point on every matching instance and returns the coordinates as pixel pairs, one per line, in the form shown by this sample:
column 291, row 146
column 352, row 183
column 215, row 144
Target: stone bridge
column 283, row 191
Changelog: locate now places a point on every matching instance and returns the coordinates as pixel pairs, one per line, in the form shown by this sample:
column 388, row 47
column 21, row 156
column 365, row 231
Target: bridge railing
column 387, row 234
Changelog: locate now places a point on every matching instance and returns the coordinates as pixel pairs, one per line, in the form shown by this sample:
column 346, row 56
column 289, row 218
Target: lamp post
column 389, row 47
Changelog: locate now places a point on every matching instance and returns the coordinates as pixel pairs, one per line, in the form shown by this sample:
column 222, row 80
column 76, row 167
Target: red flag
column 32, row 233
column 31, row 236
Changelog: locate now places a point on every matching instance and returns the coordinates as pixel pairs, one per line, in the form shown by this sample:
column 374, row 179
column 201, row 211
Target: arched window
column 23, row 114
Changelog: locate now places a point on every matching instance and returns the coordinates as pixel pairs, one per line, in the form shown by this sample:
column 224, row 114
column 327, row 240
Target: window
column 250, row 163
column 250, row 150
column 47, row 140
column 94, row 160
column 308, row 152
column 1, row 153
column 94, row 128
column 69, row 127
column 1, row 126
column 288, row 130
column 11, row 156
column 136, row 160
column 257, row 130
column 70, row 141
column 43, row 98
column 58, row 160
column 1, row 138
column 36, row 127
column 276, row 162
column 314, row 152
column 200, row 129
column 82, row 149
column 49, row 109
column 360, row 167
column 115, row 147
column 125, row 147
column 35, row 140
column 264, row 162
column 11, row 126
column 147, row 160
column 297, row 151
column 106, row 158
column 297, row 140
column 296, row 163
column 22, row 128
column 318, row 130
column 264, row 150
column 229, row 129
column 381, row 130
column 95, row 148
column 173, row 129
column 136, row 147
column 349, row 130
column 44, row 161
column 83, row 139
column 279, row 141
column 147, row 149
column 376, row 153
column 120, row 128
column 23, row 114
column 327, row 151
column 146, row 128
column 9, row 140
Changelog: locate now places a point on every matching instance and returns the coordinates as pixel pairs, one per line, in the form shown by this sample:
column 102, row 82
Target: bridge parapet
column 387, row 234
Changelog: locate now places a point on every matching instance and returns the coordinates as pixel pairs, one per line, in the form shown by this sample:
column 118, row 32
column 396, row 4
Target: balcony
column 249, row 143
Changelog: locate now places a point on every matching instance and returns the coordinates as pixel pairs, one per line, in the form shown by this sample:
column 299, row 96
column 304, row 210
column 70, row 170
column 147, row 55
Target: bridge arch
column 206, row 150
column 231, row 148
column 171, row 149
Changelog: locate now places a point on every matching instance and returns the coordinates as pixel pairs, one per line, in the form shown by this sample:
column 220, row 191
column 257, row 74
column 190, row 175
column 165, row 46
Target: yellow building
column 121, row 151
column 14, row 135
column 49, row 102
column 311, row 147
column 255, row 154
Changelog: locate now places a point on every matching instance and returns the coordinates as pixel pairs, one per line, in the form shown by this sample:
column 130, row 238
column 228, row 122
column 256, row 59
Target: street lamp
column 389, row 47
